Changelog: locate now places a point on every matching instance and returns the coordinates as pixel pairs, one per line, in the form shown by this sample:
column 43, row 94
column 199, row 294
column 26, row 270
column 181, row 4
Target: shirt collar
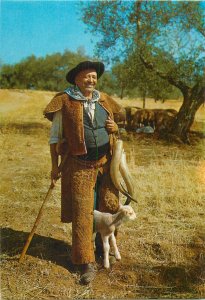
column 75, row 93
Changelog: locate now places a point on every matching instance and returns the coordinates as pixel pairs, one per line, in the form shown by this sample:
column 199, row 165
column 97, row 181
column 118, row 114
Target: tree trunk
column 193, row 98
column 144, row 99
column 185, row 117
column 122, row 91
column 144, row 102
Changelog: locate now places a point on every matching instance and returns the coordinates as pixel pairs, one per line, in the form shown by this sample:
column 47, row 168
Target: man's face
column 86, row 81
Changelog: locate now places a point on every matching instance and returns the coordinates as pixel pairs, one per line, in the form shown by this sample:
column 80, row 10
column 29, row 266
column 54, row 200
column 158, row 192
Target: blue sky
column 40, row 28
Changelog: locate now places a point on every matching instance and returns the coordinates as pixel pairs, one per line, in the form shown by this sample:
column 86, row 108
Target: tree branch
column 176, row 82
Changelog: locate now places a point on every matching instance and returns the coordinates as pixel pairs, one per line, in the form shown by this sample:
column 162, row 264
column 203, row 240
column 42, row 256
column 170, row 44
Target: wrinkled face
column 86, row 80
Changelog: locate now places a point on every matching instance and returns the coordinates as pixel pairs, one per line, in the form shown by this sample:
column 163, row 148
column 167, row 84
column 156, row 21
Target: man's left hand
column 111, row 126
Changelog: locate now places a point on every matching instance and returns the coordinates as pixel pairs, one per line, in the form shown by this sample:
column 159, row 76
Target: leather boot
column 88, row 273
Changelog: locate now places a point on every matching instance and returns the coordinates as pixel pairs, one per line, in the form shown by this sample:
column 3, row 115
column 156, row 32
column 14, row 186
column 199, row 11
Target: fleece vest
column 76, row 125
column 72, row 112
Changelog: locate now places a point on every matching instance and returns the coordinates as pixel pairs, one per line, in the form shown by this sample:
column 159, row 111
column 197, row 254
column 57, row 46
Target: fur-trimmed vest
column 72, row 116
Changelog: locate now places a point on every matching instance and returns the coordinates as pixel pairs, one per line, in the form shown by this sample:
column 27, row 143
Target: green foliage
column 157, row 44
column 167, row 33
column 46, row 73
column 107, row 83
column 49, row 73
column 135, row 80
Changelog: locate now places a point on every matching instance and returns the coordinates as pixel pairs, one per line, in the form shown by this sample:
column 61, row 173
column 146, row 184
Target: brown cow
column 130, row 111
column 174, row 112
column 143, row 117
column 168, row 110
column 150, row 118
column 163, row 120
column 138, row 119
column 120, row 117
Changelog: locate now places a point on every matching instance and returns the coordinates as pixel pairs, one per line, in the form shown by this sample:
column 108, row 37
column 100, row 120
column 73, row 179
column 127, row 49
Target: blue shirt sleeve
column 56, row 128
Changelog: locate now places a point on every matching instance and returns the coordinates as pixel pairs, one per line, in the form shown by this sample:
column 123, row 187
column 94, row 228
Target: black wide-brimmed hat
column 85, row 65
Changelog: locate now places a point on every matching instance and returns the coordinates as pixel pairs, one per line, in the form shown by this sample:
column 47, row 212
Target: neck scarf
column 89, row 105
column 75, row 93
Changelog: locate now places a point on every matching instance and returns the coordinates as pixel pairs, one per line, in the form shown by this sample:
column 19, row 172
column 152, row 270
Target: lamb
column 106, row 223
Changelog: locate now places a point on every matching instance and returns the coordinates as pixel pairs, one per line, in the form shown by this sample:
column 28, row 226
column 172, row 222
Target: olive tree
column 168, row 38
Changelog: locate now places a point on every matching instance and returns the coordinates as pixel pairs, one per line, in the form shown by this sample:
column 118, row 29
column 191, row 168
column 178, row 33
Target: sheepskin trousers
column 78, row 187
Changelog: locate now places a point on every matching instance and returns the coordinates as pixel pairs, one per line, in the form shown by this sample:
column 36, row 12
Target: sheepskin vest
column 72, row 116
column 76, row 127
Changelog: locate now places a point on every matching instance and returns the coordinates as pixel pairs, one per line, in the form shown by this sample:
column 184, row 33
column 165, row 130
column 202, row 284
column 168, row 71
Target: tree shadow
column 46, row 248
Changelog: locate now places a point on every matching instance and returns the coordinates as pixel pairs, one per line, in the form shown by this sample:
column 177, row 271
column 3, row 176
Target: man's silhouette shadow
column 46, row 248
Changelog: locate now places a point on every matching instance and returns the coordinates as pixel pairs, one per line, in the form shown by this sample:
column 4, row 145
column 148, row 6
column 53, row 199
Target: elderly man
column 82, row 131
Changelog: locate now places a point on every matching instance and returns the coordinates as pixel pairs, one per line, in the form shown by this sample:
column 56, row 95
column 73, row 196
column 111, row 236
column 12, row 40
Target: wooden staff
column 47, row 197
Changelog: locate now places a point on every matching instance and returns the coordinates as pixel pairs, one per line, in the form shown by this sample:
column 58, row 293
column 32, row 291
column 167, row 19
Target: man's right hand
column 55, row 174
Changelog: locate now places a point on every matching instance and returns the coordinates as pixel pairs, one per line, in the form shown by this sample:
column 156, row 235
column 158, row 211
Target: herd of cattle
column 132, row 118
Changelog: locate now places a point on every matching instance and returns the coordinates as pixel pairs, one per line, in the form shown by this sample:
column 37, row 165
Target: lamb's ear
column 119, row 217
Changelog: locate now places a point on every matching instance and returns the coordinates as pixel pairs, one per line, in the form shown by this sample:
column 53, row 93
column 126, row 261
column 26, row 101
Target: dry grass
column 162, row 252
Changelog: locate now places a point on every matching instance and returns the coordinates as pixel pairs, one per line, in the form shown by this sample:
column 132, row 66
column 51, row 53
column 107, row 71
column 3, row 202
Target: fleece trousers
column 78, row 188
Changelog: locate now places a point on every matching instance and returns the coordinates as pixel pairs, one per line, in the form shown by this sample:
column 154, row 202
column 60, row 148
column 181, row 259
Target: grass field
column 163, row 251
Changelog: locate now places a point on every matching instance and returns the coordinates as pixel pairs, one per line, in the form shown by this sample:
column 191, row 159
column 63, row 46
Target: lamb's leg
column 106, row 248
column 115, row 248
column 93, row 240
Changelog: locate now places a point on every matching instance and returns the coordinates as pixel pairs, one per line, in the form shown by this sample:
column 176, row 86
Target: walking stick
column 47, row 197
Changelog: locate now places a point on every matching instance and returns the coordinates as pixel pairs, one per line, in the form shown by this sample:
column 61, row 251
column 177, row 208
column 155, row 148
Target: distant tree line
column 48, row 73
column 43, row 73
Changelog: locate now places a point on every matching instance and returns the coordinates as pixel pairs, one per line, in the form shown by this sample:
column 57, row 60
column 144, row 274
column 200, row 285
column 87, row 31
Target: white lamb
column 106, row 223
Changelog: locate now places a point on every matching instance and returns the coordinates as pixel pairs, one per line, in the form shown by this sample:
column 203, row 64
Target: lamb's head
column 127, row 212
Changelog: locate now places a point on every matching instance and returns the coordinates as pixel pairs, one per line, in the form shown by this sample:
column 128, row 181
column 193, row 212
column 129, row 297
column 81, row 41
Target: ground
column 163, row 251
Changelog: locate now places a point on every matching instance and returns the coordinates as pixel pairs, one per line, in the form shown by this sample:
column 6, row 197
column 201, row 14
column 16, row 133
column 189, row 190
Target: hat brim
column 97, row 66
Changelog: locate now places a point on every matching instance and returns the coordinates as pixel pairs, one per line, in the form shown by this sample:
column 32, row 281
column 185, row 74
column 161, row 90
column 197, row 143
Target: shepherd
column 83, row 130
